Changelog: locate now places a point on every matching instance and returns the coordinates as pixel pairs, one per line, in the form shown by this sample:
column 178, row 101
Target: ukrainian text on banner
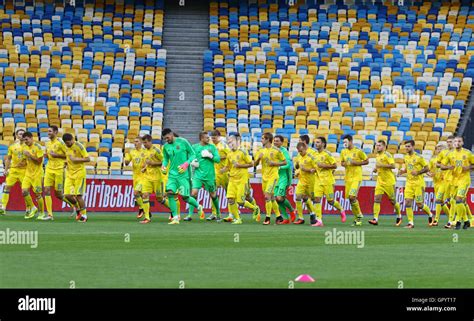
column 116, row 195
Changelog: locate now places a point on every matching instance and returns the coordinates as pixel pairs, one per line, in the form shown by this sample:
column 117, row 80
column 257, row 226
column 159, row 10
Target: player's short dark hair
column 269, row 136
column 166, row 131
column 305, row 138
column 410, row 142
column 323, row 140
column 280, row 137
column 28, row 134
column 300, row 145
column 67, row 137
column 451, row 137
column 201, row 134
column 54, row 128
column 20, row 130
column 381, row 141
column 215, row 132
column 348, row 137
column 147, row 138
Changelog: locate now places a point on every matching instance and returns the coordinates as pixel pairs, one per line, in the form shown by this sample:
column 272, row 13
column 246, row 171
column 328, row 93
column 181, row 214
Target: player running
column 178, row 154
column 54, row 174
column 447, row 191
column 75, row 183
column 204, row 174
column 272, row 158
column 324, row 184
column 353, row 158
column 222, row 176
column 439, row 183
column 239, row 161
column 137, row 157
column 415, row 166
column 461, row 162
column 385, row 182
column 285, row 176
column 309, row 201
column 152, row 180
column 307, row 176
column 15, row 167
column 34, row 174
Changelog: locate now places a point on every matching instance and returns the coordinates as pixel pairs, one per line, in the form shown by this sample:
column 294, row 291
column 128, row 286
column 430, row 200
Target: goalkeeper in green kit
column 204, row 173
column 178, row 154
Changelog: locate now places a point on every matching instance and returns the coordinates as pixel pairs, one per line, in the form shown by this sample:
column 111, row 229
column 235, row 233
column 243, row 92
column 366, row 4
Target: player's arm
column 445, row 164
column 469, row 167
column 216, row 158
column 84, row 155
column 424, row 169
column 330, row 164
column 287, row 158
column 191, row 153
column 246, row 161
column 343, row 158
column 127, row 159
column 156, row 160
column 390, row 165
column 37, row 157
column 281, row 160
column 363, row 159
column 258, row 159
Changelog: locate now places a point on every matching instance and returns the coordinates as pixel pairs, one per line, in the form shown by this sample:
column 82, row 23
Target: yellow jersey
column 385, row 176
column 34, row 169
column 415, row 162
column 459, row 159
column 267, row 155
column 438, row 174
column 241, row 157
column 153, row 154
column 353, row 173
column 137, row 157
column 56, row 146
column 224, row 151
column 325, row 176
column 307, row 162
column 443, row 159
column 74, row 170
column 15, row 152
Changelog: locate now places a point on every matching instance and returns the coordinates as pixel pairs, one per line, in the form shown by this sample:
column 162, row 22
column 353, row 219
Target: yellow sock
column 40, row 204
column 234, row 210
column 146, row 208
column 249, row 205
column 165, row 202
column 356, row 209
column 139, row 201
column 178, row 205
column 5, row 198
column 214, row 212
column 397, row 209
column 68, row 202
column 254, row 202
column 452, row 210
column 29, row 201
column 337, row 205
column 83, row 212
column 461, row 212
column 49, row 204
column 268, row 208
column 318, row 210
column 376, row 210
column 299, row 209
column 445, row 209
column 410, row 214
column 276, row 208
column 468, row 212
column 426, row 209
column 310, row 205
column 438, row 212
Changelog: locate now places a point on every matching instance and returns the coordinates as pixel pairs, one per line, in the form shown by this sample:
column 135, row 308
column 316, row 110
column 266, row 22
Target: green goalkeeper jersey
column 286, row 170
column 206, row 170
column 176, row 154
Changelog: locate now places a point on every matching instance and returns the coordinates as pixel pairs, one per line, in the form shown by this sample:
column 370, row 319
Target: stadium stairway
column 186, row 37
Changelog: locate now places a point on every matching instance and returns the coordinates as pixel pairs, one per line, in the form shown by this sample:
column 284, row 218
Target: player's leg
column 353, row 192
column 59, row 183
column 251, row 203
column 185, row 192
column 461, row 212
column 160, row 194
column 26, row 184
column 419, row 199
column 69, row 194
column 452, row 206
column 439, row 193
column 194, row 193
column 409, row 197
column 300, row 197
column 38, row 191
column 49, row 180
column 80, row 189
column 329, row 192
column 232, row 193
column 147, row 189
column 377, row 201
column 211, row 188
column 390, row 192
column 137, row 193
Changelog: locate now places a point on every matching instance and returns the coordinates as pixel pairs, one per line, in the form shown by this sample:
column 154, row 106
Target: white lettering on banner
column 112, row 198
column 2, row 186
column 101, row 193
column 399, row 198
column 106, row 197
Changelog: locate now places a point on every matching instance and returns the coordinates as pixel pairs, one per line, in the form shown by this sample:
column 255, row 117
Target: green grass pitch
column 207, row 255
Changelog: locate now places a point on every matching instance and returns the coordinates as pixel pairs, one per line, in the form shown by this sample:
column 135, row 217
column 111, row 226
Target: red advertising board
column 116, row 195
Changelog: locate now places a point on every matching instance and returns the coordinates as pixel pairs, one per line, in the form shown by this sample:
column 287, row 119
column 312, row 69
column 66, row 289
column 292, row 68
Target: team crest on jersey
column 177, row 147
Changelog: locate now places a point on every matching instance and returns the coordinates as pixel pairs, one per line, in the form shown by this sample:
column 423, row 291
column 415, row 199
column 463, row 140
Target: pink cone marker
column 304, row 278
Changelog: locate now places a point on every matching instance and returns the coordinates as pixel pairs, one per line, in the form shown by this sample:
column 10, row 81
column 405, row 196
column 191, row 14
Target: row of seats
column 372, row 70
column 95, row 69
